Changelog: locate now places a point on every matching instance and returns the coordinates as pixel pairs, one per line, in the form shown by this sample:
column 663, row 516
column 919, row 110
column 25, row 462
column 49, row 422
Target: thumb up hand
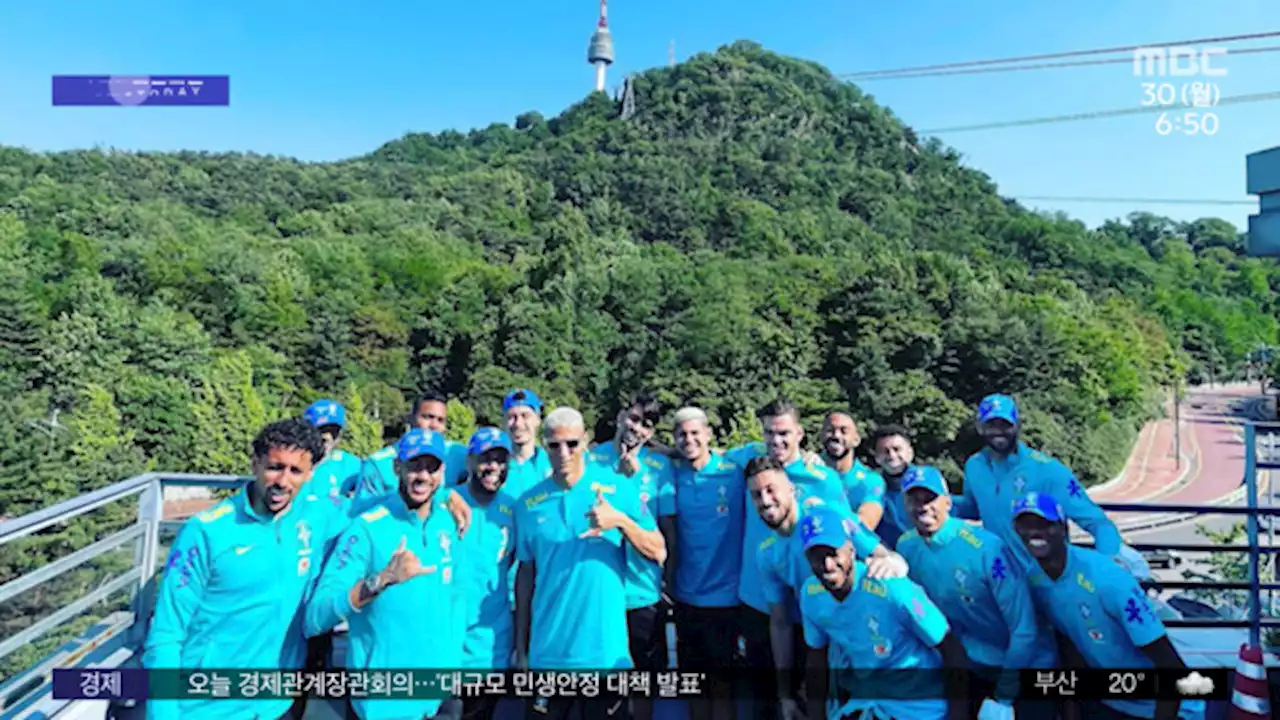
column 602, row 516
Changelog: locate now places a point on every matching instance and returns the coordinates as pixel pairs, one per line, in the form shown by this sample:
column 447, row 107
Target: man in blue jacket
column 391, row 578
column 1102, row 616
column 1007, row 469
column 486, row 563
column 237, row 578
column 337, row 477
column 970, row 575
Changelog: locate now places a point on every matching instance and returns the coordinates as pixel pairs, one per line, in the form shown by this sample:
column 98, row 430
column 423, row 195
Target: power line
column 1136, row 201
column 1071, row 53
column 1041, row 66
column 1234, row 100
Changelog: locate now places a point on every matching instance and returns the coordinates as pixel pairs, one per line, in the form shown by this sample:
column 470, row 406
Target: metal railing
column 118, row 629
column 126, row 629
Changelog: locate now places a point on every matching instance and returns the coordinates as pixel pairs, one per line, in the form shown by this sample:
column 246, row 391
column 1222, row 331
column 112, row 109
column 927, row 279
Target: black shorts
column 759, row 673
column 647, row 636
column 479, row 707
column 706, row 638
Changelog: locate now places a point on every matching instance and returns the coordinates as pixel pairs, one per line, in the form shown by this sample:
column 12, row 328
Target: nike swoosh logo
column 243, row 549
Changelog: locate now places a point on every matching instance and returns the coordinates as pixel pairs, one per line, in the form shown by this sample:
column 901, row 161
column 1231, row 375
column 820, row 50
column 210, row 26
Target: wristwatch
column 373, row 585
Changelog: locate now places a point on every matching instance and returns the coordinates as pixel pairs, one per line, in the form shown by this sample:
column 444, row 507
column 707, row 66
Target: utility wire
column 1054, row 56
column 1041, row 66
column 1135, row 201
column 1233, row 100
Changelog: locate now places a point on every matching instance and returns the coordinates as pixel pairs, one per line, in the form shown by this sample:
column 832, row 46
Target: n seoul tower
column 600, row 51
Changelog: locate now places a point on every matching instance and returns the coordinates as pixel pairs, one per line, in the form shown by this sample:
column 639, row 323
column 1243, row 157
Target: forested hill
column 756, row 227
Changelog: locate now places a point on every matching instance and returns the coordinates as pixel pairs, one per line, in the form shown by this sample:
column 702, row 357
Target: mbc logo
column 1177, row 61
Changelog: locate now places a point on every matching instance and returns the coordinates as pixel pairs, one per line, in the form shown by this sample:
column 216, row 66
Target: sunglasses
column 568, row 444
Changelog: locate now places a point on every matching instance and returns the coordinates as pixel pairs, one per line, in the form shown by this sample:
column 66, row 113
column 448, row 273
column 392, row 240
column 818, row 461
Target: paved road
column 1212, row 449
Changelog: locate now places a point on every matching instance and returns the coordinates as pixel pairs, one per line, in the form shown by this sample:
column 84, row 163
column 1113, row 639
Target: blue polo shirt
column 861, row 484
column 710, row 508
column 981, row 590
column 484, row 580
column 812, row 479
column 1102, row 610
column 579, row 612
column 895, row 519
column 524, row 474
column 657, row 498
column 881, row 625
column 784, row 567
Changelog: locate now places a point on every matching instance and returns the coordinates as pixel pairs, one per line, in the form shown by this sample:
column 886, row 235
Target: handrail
column 1156, row 508
column 151, row 520
column 33, row 522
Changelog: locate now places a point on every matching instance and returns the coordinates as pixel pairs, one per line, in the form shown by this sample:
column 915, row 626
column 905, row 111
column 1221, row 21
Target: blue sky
column 323, row 80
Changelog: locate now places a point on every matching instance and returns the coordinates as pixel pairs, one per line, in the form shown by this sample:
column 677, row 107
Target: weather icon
column 1195, row 684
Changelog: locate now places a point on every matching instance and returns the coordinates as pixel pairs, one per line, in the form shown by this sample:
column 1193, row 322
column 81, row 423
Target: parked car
column 1162, row 559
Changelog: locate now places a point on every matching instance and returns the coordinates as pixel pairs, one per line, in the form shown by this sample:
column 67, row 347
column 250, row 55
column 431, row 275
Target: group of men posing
column 806, row 577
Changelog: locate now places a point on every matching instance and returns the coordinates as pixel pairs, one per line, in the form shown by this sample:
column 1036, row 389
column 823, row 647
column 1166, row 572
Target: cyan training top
column 417, row 624
column 231, row 596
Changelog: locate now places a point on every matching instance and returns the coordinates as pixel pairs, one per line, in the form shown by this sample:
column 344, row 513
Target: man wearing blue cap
column 334, row 483
column 428, row 412
column 378, row 477
column 879, row 625
column 486, row 563
column 1102, row 615
column 337, row 477
column 629, row 455
column 391, row 578
column 979, row 587
column 783, row 569
column 808, row 478
column 522, row 410
column 237, row 577
column 1007, row 469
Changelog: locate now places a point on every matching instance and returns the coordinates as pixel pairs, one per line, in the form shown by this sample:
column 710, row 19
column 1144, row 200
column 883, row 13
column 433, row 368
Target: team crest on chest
column 962, row 579
column 304, row 548
column 1020, row 484
column 722, row 506
column 880, row 645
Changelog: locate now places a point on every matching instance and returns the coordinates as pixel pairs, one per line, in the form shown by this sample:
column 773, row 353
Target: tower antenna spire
column 671, row 54
column 600, row 51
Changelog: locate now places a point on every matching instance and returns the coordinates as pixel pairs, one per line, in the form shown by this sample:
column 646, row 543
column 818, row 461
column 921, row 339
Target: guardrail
column 145, row 533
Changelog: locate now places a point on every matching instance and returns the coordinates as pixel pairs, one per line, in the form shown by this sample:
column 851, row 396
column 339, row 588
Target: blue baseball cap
column 522, row 398
column 998, row 407
column 326, row 412
column 1039, row 504
column 418, row 442
column 927, row 477
column 486, row 439
column 822, row 526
